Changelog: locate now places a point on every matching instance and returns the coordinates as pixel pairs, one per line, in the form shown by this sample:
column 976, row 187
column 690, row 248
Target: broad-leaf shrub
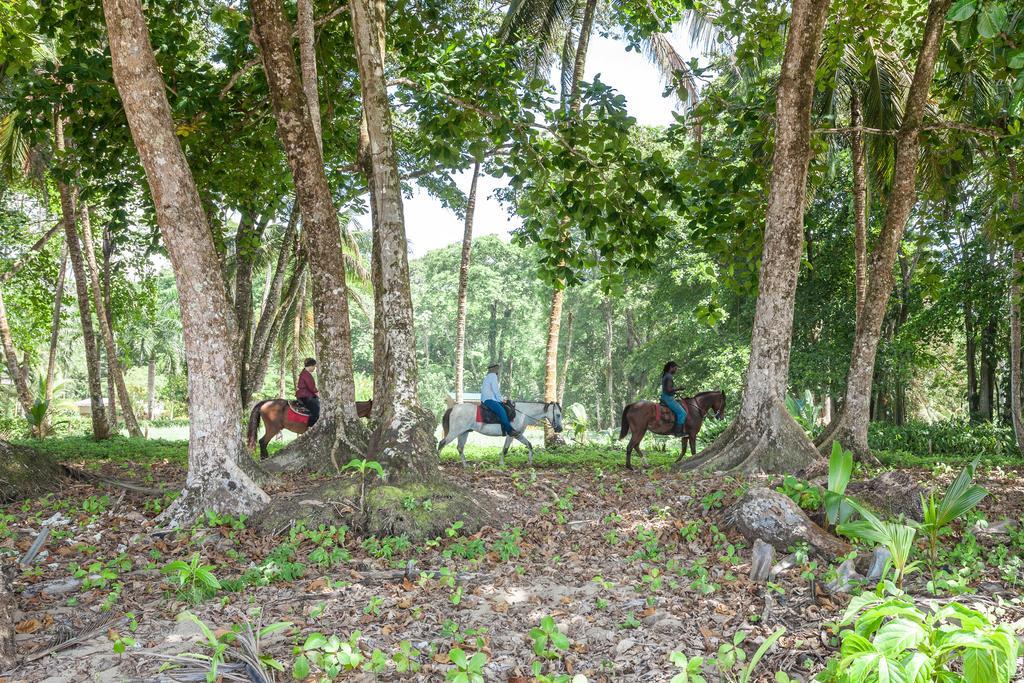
column 887, row 637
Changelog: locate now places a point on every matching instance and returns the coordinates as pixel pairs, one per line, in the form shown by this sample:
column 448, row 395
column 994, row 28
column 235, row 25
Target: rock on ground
column 775, row 519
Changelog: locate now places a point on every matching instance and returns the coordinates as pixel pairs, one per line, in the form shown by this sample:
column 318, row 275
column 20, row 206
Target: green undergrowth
column 562, row 457
column 906, row 459
column 119, row 449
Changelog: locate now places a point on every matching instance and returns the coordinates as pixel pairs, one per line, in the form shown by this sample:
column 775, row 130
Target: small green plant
column 548, row 641
column 960, row 498
column 195, row 580
column 840, row 469
column 466, row 669
column 712, row 501
column 887, row 637
column 801, row 492
column 897, row 538
column 507, row 545
column 362, row 467
column 330, row 654
column 95, row 505
column 690, row 668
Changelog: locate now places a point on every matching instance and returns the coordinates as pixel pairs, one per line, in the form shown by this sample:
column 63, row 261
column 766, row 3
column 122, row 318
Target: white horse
column 460, row 420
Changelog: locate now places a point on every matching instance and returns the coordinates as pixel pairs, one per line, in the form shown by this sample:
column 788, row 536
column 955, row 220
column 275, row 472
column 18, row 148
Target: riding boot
column 679, row 429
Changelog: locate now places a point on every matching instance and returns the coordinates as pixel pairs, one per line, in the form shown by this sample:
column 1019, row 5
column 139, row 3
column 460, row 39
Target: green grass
column 116, row 449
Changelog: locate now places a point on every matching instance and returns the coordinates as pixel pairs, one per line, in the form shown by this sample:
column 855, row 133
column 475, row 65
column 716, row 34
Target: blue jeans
column 673, row 405
column 499, row 410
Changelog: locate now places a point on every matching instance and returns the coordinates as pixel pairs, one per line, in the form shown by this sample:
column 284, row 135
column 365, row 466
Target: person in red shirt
column 306, row 391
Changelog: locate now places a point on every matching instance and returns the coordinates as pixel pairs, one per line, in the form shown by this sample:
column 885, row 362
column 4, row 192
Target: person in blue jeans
column 490, row 396
column 668, row 397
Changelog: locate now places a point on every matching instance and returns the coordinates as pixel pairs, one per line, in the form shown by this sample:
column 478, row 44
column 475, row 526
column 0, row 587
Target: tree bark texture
column 216, row 479
column 764, row 437
column 109, row 343
column 609, row 369
column 860, row 196
column 151, row 386
column 460, row 314
column 403, row 440
column 1015, row 335
column 8, row 617
column 851, row 427
column 14, row 368
column 307, row 59
column 563, row 373
column 58, row 305
column 319, row 216
column 551, row 359
column 69, row 211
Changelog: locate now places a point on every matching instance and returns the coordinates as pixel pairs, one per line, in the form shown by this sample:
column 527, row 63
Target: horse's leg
column 445, row 441
column 269, row 434
column 526, row 442
column 462, row 446
column 504, row 451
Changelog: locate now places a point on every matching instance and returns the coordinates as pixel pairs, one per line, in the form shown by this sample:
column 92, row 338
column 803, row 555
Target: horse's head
column 718, row 405
column 554, row 411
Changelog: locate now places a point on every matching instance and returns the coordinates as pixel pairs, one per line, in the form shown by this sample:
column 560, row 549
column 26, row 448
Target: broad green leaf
column 899, row 635
column 962, row 10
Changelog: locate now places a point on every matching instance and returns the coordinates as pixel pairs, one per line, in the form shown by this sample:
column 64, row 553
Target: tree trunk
column 111, row 388
column 216, row 479
column 460, row 315
column 988, row 370
column 860, row 196
column 68, row 201
column 1015, row 336
column 300, row 138
column 764, row 436
column 8, row 616
column 403, row 440
column 566, row 357
column 113, row 364
column 151, row 386
column 586, row 27
column 551, row 360
column 11, row 357
column 851, row 427
column 492, row 335
column 971, row 352
column 273, row 306
column 261, row 362
column 298, row 327
column 609, row 369
column 58, row 304
column 304, row 25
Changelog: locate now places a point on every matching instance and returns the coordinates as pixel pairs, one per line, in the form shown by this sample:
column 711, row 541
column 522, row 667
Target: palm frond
column 537, row 26
column 675, row 71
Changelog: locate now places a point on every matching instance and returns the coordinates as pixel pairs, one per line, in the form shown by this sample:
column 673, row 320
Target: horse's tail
column 446, row 422
column 254, row 425
column 625, row 422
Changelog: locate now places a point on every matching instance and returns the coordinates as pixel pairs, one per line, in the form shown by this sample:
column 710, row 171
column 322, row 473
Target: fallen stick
column 36, row 546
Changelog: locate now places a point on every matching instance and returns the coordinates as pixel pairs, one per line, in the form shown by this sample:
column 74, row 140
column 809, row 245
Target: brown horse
column 644, row 416
column 274, row 413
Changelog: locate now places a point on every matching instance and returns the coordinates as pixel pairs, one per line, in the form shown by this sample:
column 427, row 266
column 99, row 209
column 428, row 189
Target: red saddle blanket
column 294, row 415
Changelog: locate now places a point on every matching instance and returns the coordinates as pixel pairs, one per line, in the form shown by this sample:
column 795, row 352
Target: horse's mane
column 705, row 393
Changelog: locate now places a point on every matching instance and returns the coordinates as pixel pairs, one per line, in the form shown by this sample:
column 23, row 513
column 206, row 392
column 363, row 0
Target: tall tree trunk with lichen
column 109, row 344
column 1015, row 334
column 850, row 428
column 403, row 439
column 860, row 203
column 216, row 479
column 463, row 295
column 69, row 212
column 563, row 372
column 58, row 305
column 14, row 368
column 300, row 136
column 764, row 437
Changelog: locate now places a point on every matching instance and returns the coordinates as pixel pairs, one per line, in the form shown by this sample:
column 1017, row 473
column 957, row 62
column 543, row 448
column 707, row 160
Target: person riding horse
column 306, row 391
column 490, row 396
column 668, row 397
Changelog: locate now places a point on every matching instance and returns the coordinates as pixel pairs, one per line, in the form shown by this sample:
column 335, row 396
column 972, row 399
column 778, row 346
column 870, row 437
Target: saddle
column 486, row 416
column 297, row 413
column 663, row 412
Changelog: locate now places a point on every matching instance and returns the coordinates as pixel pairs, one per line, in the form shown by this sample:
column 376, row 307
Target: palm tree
column 460, row 316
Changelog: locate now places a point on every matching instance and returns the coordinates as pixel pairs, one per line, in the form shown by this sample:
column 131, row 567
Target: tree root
column 325, row 448
column 775, row 443
column 839, row 430
column 417, row 509
column 226, row 489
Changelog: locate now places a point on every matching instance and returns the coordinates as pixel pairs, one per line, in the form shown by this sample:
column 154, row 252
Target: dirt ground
column 631, row 566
